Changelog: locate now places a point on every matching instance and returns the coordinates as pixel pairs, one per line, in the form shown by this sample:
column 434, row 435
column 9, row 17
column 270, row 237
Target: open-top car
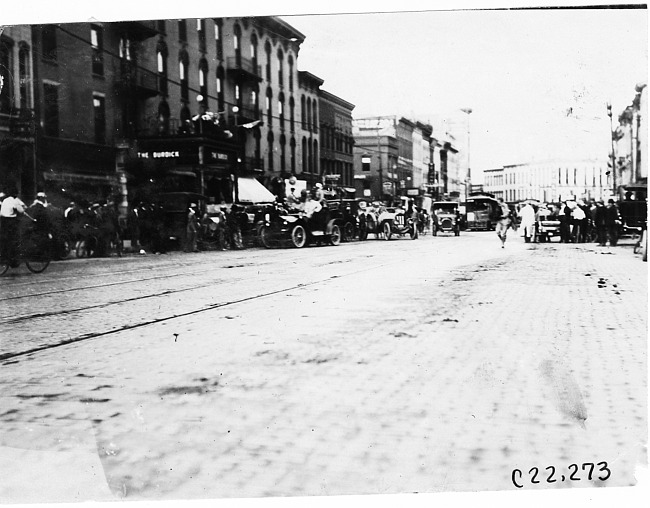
column 446, row 217
column 387, row 222
column 294, row 229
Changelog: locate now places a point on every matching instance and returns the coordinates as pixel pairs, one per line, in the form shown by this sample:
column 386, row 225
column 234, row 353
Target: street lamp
column 468, row 180
column 611, row 135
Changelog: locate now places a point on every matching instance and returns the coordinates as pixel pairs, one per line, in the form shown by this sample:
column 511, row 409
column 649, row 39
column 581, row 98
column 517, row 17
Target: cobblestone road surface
column 383, row 367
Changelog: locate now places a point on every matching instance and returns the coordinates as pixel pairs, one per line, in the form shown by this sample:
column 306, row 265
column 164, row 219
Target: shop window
column 218, row 38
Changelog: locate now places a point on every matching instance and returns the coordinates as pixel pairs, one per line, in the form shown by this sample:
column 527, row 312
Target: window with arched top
column 283, row 152
column 183, row 70
column 315, row 163
column 257, row 136
column 24, row 75
column 281, row 67
column 290, row 62
column 254, row 51
column 220, row 84
column 163, row 118
column 237, row 43
column 218, row 37
column 161, row 54
column 182, row 30
column 314, row 117
column 292, row 107
column 308, row 109
column 281, row 109
column 303, row 116
column 269, row 106
column 203, row 80
column 269, row 140
column 304, row 154
column 200, row 29
column 267, row 50
column 292, row 145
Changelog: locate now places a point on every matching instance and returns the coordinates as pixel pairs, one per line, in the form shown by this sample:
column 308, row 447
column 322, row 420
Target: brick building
column 141, row 107
column 336, row 152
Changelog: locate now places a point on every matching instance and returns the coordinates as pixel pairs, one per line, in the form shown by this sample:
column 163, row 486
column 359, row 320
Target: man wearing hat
column 191, row 229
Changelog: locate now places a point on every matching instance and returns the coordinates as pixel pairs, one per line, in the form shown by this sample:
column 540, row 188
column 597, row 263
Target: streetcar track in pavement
column 109, row 284
column 210, row 307
column 167, row 292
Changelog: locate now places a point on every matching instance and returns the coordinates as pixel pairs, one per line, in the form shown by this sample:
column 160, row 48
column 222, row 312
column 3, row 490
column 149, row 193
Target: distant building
column 631, row 141
column 376, row 156
column 549, row 181
column 336, row 152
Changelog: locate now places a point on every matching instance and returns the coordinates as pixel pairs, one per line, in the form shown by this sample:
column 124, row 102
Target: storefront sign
column 359, row 177
column 174, row 154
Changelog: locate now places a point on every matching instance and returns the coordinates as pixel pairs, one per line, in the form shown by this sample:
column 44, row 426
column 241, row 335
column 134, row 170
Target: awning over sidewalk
column 252, row 191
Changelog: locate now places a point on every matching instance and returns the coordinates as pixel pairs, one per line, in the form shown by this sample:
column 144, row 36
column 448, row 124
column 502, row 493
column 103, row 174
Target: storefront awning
column 252, row 191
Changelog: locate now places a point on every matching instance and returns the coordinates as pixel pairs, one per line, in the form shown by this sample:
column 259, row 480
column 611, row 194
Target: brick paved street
column 437, row 367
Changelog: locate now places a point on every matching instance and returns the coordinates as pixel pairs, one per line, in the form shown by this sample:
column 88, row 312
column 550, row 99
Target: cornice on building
column 335, row 99
column 309, row 78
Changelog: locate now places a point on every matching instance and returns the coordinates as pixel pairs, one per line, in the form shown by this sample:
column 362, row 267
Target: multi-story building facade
column 17, row 126
column 550, row 181
column 141, row 107
column 631, row 141
column 336, row 153
column 309, row 85
column 375, row 154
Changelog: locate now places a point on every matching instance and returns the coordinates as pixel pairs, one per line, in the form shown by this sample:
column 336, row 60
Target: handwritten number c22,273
column 519, row 481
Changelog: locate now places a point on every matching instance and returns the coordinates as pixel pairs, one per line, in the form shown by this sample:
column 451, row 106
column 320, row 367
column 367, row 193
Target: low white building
column 550, row 181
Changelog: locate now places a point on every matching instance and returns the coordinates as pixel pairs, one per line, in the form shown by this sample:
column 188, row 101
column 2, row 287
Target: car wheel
column 266, row 237
column 348, row 232
column 298, row 236
column 386, row 230
column 335, row 235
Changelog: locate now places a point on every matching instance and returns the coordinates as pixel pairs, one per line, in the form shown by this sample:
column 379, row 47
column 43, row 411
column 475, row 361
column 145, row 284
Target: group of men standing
column 576, row 220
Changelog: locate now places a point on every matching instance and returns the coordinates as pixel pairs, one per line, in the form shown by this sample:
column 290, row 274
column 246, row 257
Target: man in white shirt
column 10, row 210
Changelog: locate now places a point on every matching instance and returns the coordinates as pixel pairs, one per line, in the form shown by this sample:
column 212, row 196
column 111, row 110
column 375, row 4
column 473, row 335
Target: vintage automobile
column 547, row 225
column 386, row 222
column 481, row 213
column 446, row 217
column 293, row 229
column 346, row 213
column 633, row 208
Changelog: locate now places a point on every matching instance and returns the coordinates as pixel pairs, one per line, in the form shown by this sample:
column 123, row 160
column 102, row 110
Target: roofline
column 281, row 25
column 337, row 100
column 308, row 75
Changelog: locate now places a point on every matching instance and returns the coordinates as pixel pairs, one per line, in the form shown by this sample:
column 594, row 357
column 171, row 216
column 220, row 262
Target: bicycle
column 33, row 251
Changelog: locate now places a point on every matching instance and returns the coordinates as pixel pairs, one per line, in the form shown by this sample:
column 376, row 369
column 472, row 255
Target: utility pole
column 611, row 135
column 468, row 179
